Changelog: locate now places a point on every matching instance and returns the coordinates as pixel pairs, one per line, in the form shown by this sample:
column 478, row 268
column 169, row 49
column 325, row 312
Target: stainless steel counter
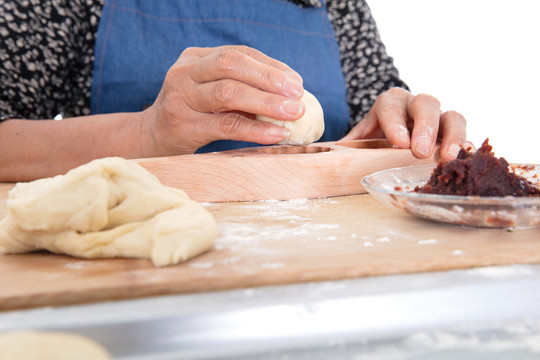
column 491, row 313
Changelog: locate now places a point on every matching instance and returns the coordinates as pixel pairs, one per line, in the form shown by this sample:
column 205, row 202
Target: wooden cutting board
column 268, row 243
column 280, row 172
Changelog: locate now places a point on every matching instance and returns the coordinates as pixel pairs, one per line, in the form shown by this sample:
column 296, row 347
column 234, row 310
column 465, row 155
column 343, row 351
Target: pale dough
column 107, row 208
column 37, row 345
column 308, row 128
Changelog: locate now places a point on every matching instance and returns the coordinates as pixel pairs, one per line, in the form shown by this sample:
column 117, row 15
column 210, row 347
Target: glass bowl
column 395, row 187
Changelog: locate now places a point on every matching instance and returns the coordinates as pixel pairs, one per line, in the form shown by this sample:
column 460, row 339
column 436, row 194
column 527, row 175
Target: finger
column 368, row 128
column 390, row 108
column 251, row 67
column 254, row 53
column 454, row 134
column 425, row 111
column 230, row 95
column 235, row 126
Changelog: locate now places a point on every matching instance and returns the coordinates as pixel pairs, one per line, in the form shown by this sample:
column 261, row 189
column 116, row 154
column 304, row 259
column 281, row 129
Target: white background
column 478, row 57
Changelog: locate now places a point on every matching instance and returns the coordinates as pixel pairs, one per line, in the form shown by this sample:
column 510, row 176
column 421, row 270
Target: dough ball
column 107, row 208
column 309, row 128
column 34, row 345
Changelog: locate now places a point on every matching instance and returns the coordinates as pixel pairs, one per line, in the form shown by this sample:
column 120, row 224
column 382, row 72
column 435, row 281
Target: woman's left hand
column 396, row 113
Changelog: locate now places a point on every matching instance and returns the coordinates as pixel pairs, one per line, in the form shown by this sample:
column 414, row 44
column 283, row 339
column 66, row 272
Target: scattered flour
column 75, row 266
column 427, row 242
column 276, row 265
column 202, row 265
column 231, row 261
column 501, row 271
column 327, row 238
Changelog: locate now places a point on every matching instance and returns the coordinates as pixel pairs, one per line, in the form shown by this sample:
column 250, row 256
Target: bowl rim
column 447, row 199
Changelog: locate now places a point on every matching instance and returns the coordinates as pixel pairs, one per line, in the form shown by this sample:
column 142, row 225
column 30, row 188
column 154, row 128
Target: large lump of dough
column 309, row 128
column 109, row 207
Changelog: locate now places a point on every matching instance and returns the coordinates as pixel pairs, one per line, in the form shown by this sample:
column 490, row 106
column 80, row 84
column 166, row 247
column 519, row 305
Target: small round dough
column 41, row 345
column 308, row 128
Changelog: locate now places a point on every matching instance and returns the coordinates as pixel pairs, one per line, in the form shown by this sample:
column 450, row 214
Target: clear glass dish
column 395, row 187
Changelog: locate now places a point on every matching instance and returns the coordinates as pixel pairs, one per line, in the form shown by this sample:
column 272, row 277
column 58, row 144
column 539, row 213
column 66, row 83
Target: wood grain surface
column 280, row 172
column 268, row 243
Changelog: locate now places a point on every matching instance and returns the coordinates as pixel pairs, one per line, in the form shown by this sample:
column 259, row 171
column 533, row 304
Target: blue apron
column 138, row 40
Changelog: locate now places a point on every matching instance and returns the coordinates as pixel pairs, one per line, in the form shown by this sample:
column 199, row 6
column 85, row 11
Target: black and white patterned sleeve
column 46, row 57
column 368, row 69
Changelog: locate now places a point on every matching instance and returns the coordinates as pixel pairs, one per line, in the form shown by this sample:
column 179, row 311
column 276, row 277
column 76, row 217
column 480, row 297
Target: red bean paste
column 477, row 173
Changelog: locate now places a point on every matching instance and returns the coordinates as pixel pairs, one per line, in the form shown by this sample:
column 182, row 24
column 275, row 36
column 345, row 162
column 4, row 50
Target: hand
column 396, row 112
column 213, row 93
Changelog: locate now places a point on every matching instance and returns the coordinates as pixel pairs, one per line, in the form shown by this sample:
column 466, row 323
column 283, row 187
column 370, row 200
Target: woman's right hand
column 213, row 94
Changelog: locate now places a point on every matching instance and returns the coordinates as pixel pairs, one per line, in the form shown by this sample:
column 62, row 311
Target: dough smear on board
column 308, row 128
column 35, row 345
column 107, row 208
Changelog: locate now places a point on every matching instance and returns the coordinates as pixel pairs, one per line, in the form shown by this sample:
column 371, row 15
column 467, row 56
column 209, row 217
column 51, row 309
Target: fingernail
column 293, row 75
column 403, row 134
column 292, row 107
column 454, row 150
column 293, row 88
column 278, row 132
column 423, row 145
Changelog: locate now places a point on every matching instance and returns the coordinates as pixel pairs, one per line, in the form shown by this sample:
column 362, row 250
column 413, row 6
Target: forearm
column 31, row 149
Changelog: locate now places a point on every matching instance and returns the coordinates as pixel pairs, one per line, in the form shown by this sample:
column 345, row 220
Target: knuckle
column 239, row 49
column 395, row 92
column 393, row 111
column 225, row 91
column 189, row 51
column 454, row 115
column 243, row 48
column 424, row 99
column 390, row 96
column 230, row 124
column 272, row 75
column 174, row 73
column 249, row 51
column 227, row 60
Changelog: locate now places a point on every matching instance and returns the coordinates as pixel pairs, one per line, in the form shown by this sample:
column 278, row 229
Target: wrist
column 142, row 134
